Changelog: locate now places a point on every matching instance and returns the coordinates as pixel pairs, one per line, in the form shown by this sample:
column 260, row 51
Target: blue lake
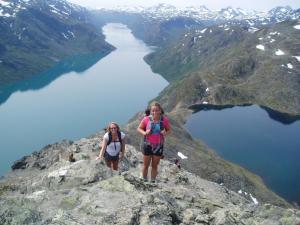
column 249, row 137
column 80, row 95
column 77, row 97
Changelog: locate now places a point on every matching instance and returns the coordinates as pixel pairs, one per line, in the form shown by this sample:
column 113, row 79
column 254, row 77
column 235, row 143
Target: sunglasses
column 113, row 128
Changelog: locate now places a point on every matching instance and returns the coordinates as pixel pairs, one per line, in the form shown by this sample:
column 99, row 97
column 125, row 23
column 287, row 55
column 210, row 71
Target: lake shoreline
column 67, row 101
column 239, row 142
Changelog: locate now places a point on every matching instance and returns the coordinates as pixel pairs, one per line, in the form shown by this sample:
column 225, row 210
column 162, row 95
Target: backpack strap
column 110, row 137
column 120, row 139
column 161, row 122
column 161, row 125
column 152, row 124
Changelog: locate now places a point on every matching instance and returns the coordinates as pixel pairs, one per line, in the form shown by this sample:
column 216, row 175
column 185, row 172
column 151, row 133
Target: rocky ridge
column 46, row 188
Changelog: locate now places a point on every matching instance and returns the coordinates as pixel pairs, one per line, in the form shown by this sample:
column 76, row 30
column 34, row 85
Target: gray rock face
column 87, row 192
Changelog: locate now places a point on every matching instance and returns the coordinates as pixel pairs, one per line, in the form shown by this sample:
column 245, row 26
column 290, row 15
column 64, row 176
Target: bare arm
column 122, row 149
column 101, row 154
column 141, row 130
column 166, row 130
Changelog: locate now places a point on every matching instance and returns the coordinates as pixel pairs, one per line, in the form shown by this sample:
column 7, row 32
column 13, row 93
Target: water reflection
column 77, row 64
column 266, row 144
column 60, row 105
column 283, row 118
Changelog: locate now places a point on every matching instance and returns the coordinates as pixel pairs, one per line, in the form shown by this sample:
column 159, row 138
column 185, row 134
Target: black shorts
column 108, row 157
column 149, row 150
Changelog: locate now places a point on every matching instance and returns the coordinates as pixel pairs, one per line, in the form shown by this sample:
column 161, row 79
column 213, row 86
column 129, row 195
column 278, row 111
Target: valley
column 215, row 58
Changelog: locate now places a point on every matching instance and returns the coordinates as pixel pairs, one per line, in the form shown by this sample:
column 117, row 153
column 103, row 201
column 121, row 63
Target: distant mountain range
column 165, row 11
column 164, row 23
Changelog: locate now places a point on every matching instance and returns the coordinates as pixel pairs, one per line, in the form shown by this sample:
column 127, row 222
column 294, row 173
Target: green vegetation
column 69, row 202
column 3, row 189
column 234, row 70
column 116, row 184
column 35, row 40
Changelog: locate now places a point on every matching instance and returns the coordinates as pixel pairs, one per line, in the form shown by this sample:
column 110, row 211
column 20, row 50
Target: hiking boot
column 143, row 179
column 153, row 183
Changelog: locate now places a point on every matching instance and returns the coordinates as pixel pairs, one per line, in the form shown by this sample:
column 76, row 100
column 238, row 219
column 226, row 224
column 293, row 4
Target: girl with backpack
column 154, row 128
column 113, row 144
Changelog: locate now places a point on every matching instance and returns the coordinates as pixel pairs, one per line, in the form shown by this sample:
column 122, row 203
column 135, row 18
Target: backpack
column 145, row 143
column 110, row 138
column 161, row 123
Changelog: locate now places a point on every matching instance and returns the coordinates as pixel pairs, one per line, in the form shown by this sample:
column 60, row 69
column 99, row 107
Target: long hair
column 112, row 123
column 157, row 105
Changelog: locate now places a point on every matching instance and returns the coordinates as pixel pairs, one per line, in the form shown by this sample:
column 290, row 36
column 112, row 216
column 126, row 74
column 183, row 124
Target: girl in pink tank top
column 154, row 128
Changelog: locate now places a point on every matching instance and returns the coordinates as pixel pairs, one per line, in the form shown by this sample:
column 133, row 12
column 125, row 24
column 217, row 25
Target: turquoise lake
column 80, row 95
column 249, row 137
column 77, row 97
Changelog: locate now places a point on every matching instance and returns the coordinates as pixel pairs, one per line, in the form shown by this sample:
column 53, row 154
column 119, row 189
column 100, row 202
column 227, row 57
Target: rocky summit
column 64, row 184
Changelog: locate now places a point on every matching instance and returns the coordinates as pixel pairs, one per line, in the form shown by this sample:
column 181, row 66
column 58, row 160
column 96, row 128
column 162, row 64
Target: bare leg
column 154, row 165
column 146, row 163
column 109, row 163
column 115, row 164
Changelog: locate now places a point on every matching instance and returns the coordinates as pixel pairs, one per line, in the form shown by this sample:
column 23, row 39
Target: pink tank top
column 155, row 137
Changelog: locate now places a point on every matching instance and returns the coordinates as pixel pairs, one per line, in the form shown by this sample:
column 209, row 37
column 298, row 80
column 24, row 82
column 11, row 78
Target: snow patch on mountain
column 279, row 52
column 251, row 17
column 261, row 47
column 297, row 57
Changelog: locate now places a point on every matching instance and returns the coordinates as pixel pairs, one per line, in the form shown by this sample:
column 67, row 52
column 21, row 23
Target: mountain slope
column 237, row 67
column 37, row 34
column 225, row 65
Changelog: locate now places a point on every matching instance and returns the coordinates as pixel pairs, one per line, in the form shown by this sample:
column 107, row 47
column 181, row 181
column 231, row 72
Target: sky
column 261, row 5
